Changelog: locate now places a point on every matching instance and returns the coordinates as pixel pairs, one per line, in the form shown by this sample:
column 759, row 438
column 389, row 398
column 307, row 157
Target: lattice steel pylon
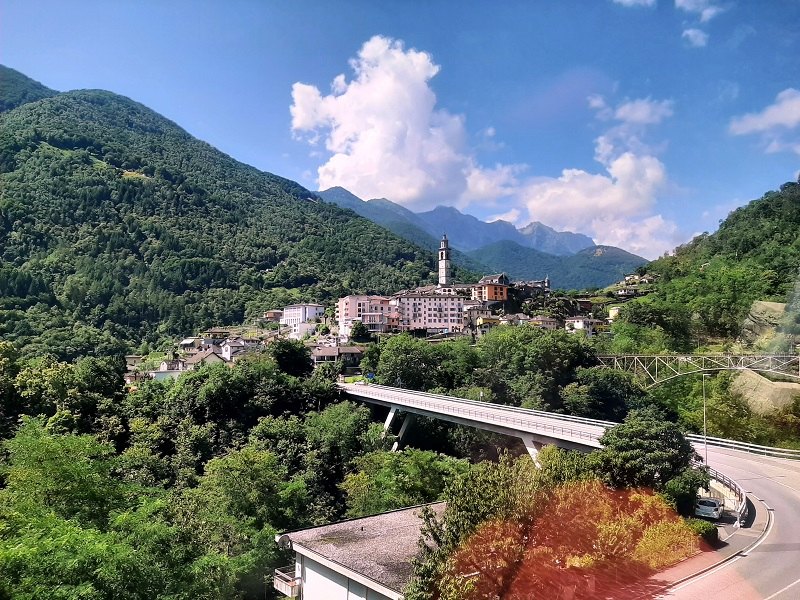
column 658, row 368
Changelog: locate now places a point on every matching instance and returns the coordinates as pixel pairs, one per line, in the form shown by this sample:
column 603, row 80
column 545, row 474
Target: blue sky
column 638, row 122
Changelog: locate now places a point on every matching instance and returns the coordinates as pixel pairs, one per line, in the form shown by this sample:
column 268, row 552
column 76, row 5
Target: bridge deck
column 570, row 432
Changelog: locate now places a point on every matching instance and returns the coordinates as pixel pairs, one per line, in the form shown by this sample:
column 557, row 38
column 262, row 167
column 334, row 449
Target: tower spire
column 444, row 261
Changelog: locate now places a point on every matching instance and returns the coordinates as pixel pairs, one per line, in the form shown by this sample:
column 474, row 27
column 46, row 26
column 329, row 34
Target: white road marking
column 730, row 562
column 779, row 592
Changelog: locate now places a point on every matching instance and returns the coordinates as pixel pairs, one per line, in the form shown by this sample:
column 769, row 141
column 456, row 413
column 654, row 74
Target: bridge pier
column 387, row 425
column 407, row 422
column 532, row 446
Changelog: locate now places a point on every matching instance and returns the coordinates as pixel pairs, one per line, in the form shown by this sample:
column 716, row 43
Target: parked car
column 709, row 508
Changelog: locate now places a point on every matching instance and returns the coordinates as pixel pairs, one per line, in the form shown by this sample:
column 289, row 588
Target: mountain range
column 572, row 260
column 465, row 232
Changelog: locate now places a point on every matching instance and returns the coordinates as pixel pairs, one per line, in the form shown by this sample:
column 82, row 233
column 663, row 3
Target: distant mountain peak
column 465, row 232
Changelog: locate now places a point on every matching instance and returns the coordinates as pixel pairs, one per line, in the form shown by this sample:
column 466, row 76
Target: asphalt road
column 771, row 569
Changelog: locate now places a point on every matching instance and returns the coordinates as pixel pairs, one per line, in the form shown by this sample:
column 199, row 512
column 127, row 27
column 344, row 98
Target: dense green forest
column 117, row 226
column 705, row 289
column 176, row 489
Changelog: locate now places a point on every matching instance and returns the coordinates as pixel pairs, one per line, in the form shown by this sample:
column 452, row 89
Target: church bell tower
column 444, row 262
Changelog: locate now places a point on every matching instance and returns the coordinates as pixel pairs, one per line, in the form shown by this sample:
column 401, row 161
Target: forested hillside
column 597, row 266
column 16, row 89
column 116, row 225
column 399, row 220
column 706, row 288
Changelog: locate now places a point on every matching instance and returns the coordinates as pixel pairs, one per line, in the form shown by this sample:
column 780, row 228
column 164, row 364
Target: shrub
column 705, row 529
column 681, row 491
column 665, row 543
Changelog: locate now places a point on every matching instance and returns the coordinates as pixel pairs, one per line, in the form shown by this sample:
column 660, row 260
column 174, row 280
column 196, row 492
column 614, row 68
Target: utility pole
column 705, row 434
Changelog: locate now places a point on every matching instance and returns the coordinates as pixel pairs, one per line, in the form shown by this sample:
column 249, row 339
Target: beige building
column 375, row 312
column 545, row 322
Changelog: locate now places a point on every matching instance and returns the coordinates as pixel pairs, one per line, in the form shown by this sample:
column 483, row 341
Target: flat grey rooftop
column 380, row 547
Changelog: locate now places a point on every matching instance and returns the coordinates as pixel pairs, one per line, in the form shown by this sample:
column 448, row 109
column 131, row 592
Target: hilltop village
column 445, row 310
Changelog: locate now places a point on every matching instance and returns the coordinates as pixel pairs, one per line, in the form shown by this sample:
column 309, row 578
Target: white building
column 297, row 314
column 429, row 311
column 359, row 559
column 585, row 324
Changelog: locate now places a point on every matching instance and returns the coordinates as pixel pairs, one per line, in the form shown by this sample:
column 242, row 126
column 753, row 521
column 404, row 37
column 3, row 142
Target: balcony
column 286, row 582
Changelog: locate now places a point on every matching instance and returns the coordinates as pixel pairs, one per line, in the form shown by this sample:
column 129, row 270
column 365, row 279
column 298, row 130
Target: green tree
column 292, row 357
column 69, row 475
column 528, row 365
column 359, row 332
column 645, row 450
column 600, row 393
column 385, row 481
column 406, row 362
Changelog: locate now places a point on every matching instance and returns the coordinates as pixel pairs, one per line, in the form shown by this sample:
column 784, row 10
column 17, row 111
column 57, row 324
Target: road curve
column 771, row 569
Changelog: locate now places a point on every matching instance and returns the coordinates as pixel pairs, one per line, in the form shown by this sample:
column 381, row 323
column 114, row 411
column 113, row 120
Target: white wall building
column 544, row 322
column 359, row 559
column 297, row 314
column 417, row 310
column 585, row 324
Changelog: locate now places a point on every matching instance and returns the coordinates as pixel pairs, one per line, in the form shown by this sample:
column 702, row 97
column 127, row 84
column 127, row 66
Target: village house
column 272, row 316
column 350, row 356
column 206, row 357
column 586, row 324
column 491, row 288
column 545, row 322
column 340, row 561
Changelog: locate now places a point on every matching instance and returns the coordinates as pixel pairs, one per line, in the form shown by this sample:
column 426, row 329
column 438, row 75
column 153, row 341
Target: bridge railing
column 745, row 447
column 476, row 411
column 736, row 488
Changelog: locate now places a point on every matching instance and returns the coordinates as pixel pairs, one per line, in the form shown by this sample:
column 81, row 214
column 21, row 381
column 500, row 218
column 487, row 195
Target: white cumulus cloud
column 512, row 216
column 382, row 135
column 696, row 37
column 644, row 111
column 783, row 113
column 705, row 9
column 615, row 207
column 386, row 136
column 776, row 123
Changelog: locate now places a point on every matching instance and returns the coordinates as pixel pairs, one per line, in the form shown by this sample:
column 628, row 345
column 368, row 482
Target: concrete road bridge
column 763, row 479
column 655, row 369
column 534, row 428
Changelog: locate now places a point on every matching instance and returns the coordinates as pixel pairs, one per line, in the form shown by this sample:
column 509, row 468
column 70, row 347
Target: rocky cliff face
column 763, row 395
column 760, row 325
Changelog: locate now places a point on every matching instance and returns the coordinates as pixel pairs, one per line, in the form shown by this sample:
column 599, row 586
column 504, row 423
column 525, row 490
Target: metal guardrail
column 745, row 447
column 738, row 490
column 476, row 411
